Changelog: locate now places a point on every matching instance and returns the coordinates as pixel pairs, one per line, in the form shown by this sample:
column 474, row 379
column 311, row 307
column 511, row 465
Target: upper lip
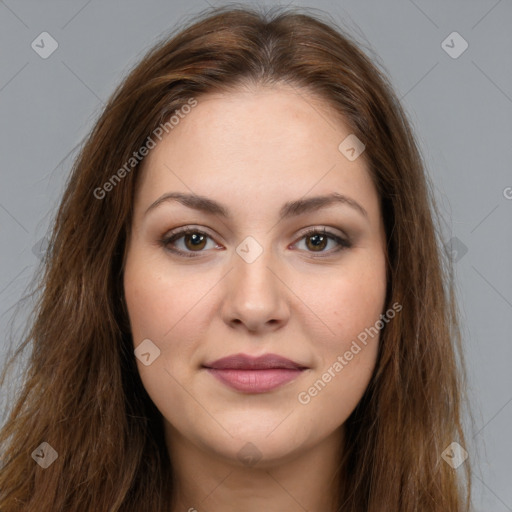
column 246, row 362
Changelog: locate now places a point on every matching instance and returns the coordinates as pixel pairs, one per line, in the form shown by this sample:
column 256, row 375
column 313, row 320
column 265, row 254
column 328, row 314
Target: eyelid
column 324, row 228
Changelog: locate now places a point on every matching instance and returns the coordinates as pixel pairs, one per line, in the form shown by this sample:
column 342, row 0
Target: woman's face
column 253, row 282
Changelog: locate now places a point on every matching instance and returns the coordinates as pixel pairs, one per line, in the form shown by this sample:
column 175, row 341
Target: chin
column 257, row 451
column 253, row 443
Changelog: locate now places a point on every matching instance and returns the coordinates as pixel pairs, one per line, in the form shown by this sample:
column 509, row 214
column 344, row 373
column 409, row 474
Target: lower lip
column 255, row 381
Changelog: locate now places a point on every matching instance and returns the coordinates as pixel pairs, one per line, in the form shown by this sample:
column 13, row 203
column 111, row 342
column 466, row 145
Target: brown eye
column 194, row 241
column 318, row 242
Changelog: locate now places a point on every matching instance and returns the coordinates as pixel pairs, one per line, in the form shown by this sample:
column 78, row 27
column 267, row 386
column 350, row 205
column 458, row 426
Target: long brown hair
column 81, row 391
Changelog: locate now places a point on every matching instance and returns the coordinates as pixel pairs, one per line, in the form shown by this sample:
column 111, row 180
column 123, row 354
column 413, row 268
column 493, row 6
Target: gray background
column 460, row 109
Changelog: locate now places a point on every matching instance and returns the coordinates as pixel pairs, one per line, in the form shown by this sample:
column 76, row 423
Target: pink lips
column 254, row 374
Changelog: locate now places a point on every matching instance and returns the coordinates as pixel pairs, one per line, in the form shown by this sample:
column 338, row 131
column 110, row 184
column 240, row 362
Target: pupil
column 196, row 238
column 319, row 240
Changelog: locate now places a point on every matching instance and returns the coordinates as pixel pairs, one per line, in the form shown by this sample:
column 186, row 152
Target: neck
column 205, row 480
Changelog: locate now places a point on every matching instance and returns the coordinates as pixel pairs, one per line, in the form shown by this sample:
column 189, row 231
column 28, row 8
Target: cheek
column 169, row 307
column 160, row 300
column 149, row 304
column 332, row 394
column 347, row 302
column 350, row 307
column 346, row 360
column 160, row 310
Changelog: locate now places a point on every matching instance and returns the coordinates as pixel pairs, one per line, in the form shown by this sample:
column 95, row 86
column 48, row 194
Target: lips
column 245, row 362
column 255, row 374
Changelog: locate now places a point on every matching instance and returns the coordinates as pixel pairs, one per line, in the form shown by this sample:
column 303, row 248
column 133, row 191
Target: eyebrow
column 289, row 209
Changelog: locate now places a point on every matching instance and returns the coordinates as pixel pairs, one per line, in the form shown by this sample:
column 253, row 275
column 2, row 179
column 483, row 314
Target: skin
column 252, row 150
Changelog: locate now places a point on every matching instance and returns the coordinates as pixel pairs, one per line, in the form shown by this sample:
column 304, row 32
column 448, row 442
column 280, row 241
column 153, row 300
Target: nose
column 255, row 297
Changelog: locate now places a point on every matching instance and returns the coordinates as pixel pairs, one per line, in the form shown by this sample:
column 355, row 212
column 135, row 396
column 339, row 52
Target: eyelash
column 176, row 235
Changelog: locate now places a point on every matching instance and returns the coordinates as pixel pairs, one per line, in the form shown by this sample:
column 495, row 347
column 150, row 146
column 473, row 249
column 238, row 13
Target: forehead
column 269, row 142
column 279, row 121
